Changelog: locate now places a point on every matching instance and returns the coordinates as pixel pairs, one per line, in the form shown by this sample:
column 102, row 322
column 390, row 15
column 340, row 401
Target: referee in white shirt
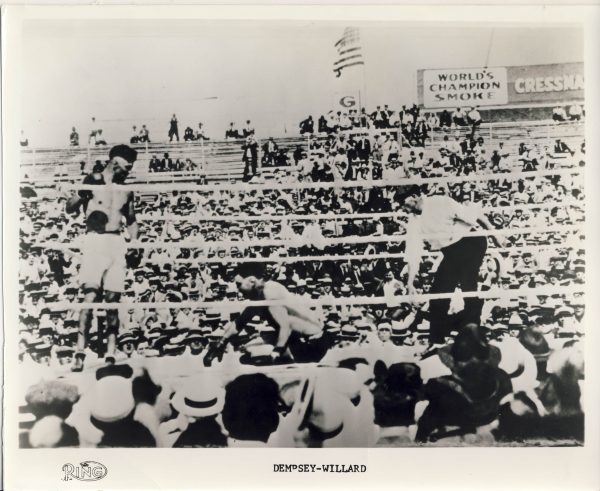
column 443, row 222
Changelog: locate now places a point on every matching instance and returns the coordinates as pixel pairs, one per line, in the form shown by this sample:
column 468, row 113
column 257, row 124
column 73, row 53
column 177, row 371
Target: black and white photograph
column 299, row 234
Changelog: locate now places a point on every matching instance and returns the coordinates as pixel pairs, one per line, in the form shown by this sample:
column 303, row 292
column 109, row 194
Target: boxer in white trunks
column 103, row 264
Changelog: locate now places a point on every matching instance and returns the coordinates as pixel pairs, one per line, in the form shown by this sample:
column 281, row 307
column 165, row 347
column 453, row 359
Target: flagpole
column 364, row 84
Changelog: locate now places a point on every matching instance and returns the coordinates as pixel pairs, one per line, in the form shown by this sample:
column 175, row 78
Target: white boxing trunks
column 103, row 262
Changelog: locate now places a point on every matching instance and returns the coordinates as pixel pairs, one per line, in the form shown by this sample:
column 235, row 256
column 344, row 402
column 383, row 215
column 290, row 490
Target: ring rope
column 391, row 300
column 334, row 216
column 186, row 244
column 342, row 257
column 170, row 187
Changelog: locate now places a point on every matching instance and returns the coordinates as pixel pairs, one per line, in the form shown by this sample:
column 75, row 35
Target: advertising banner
column 559, row 83
column 465, row 87
column 562, row 82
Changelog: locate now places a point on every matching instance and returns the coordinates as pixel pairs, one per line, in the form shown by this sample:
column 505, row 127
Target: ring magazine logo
column 88, row 470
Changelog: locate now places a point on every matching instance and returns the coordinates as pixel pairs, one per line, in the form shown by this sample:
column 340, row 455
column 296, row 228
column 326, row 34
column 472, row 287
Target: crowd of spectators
column 374, row 156
column 574, row 112
column 515, row 381
column 516, row 377
column 169, row 164
column 412, row 124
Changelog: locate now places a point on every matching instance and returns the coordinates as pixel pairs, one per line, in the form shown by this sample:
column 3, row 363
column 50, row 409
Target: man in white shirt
column 474, row 119
column 458, row 117
column 443, row 222
column 575, row 112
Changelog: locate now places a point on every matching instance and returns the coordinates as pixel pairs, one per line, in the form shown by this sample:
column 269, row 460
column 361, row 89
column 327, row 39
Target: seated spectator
column 144, row 135
column 445, row 119
column 250, row 413
column 307, row 125
column 188, row 134
column 459, row 118
column 323, row 128
column 166, row 163
column 199, row 401
column 248, row 129
column 135, row 137
column 559, row 114
column 561, row 147
column 99, row 138
column 379, row 118
column 112, row 410
column 24, row 142
column 74, row 138
column 433, row 122
column 575, row 112
column 463, row 403
column 154, row 164
column 200, row 134
column 232, row 132
column 51, row 403
column 397, row 391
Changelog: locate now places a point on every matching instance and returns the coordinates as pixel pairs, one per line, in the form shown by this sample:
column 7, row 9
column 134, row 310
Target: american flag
column 349, row 51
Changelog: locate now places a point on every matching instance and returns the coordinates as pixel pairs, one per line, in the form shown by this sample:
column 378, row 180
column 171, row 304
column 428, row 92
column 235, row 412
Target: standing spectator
column 323, row 125
column 474, row 119
column 173, row 129
column 248, row 129
column 92, row 140
column 57, row 264
column 420, row 132
column 445, row 119
column 74, row 138
column 389, row 116
column 363, row 119
column 363, row 148
column 269, row 151
column 297, row 155
column 391, row 149
column 307, row 125
column 250, row 157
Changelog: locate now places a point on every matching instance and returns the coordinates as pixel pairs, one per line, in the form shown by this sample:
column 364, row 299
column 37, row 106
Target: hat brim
column 179, row 403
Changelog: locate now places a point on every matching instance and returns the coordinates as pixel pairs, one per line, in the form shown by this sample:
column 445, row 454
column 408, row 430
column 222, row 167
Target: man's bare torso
column 112, row 202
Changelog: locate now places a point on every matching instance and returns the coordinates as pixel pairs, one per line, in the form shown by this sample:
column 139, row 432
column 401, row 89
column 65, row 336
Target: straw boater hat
column 199, row 396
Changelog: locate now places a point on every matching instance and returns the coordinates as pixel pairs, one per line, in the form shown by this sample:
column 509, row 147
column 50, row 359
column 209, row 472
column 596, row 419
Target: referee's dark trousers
column 459, row 267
